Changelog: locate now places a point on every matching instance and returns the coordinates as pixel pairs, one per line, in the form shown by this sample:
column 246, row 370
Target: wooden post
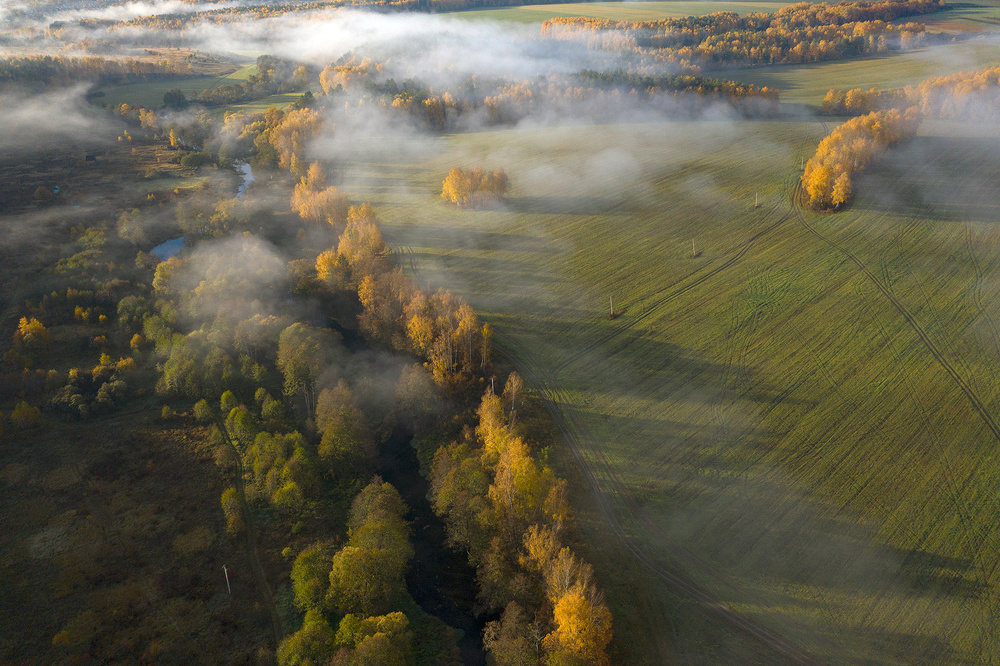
column 227, row 578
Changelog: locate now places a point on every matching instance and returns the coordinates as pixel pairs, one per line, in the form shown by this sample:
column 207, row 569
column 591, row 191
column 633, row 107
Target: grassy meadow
column 808, row 83
column 150, row 95
column 798, row 419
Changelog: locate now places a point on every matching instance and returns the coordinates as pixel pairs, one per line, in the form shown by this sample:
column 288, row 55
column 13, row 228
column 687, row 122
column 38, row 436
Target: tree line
column 227, row 330
column 503, row 102
column 41, row 71
column 890, row 116
column 971, row 95
column 804, row 32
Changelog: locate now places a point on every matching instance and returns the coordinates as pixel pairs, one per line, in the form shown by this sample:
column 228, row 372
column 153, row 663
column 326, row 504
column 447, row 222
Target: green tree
column 312, row 645
column 174, row 98
column 367, row 574
column 304, row 353
column 311, row 575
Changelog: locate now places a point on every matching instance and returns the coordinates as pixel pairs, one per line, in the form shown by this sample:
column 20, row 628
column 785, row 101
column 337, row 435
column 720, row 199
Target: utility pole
column 227, row 579
column 612, row 298
column 693, row 253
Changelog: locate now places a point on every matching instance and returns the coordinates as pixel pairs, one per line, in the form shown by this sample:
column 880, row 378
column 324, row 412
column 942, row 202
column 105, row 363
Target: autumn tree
column 304, row 353
column 513, row 640
column 583, row 630
column 317, row 202
column 849, row 148
column 31, row 334
column 232, row 508
column 289, row 138
column 473, row 187
column 25, row 416
column 361, row 243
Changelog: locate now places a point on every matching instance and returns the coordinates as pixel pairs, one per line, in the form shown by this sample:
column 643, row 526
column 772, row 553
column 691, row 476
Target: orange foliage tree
column 474, row 187
column 826, row 181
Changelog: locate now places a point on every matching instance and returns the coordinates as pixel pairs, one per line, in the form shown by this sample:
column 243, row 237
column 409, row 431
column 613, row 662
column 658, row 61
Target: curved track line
column 910, row 319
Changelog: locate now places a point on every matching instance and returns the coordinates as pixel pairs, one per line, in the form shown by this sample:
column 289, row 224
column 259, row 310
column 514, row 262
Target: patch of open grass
column 150, row 95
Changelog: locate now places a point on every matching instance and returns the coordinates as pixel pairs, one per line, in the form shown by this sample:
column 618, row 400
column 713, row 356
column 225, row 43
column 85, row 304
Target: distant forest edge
column 803, row 32
column 826, row 14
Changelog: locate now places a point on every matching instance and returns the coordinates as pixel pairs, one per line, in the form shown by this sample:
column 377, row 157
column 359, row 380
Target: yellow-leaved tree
column 583, row 630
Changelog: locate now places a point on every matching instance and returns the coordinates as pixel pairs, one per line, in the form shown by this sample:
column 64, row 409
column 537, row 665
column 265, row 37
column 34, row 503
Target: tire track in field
column 263, row 588
column 674, row 291
column 991, row 323
column 970, row 394
column 972, row 537
column 552, row 397
column 977, row 293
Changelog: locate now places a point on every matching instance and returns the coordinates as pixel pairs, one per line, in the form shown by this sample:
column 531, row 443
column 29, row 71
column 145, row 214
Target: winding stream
column 169, row 248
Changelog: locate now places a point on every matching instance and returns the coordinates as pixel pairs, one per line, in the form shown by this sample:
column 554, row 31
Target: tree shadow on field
column 672, row 368
column 685, row 442
column 933, row 573
column 438, row 236
column 902, row 648
column 945, row 178
column 580, row 205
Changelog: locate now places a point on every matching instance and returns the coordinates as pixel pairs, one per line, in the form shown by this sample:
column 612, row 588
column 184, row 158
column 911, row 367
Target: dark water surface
column 440, row 579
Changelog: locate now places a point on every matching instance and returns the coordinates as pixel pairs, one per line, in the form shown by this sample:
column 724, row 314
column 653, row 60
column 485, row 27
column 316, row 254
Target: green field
column 807, row 84
column 978, row 16
column 150, row 95
column 799, row 419
column 624, row 11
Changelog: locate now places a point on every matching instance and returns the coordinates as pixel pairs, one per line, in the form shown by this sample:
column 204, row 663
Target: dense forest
column 50, row 71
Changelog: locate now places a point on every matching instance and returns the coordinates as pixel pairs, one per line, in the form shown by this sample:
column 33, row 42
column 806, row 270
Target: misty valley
column 462, row 332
